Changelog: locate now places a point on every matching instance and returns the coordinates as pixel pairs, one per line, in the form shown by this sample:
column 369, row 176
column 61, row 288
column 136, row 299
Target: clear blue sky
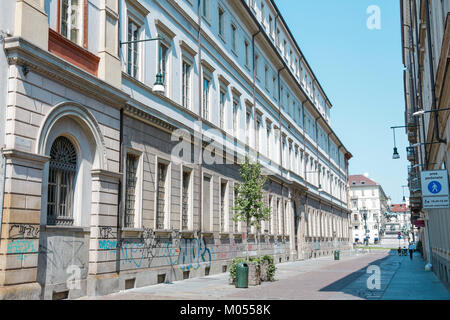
column 361, row 72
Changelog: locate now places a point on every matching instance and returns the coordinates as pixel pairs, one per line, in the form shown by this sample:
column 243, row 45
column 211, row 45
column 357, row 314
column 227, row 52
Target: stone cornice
column 21, row 52
column 23, row 155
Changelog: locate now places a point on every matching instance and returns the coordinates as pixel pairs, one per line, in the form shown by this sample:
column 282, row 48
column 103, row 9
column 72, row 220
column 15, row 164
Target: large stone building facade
column 426, row 56
column 110, row 184
column 369, row 205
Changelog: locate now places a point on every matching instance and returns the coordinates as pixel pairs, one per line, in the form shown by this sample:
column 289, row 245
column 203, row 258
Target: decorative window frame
column 138, row 204
column 227, row 216
column 84, row 22
column 138, row 14
column 168, row 189
column 167, row 36
column 187, row 56
column 185, row 168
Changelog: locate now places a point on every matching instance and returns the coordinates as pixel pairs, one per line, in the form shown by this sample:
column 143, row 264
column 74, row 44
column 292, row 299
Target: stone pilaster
column 20, row 228
column 104, row 248
column 109, row 68
column 31, row 22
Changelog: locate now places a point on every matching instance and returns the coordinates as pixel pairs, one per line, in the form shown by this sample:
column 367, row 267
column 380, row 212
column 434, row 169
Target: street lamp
column 422, row 112
column 396, row 155
column 158, row 87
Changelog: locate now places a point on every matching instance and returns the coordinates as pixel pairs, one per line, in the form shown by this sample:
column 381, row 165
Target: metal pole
column 200, row 105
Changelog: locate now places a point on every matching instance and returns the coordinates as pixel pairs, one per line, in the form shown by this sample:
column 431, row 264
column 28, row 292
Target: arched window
column 63, row 164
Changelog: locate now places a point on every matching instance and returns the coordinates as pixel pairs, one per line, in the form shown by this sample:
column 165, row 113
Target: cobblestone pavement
column 316, row 279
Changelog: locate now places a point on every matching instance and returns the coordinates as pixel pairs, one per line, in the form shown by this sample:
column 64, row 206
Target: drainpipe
column 254, row 87
column 2, row 192
column 317, row 153
column 420, row 87
column 254, row 112
column 119, row 195
column 281, row 148
column 412, row 75
column 200, row 106
column 430, row 62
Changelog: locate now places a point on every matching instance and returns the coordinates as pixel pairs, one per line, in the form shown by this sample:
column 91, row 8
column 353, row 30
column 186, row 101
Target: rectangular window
column 186, row 90
column 221, row 22
column 130, row 190
column 274, row 86
column 256, row 66
column 206, row 206
column 269, row 224
column 132, row 53
column 247, row 127
column 161, row 200
column 223, row 206
column 263, row 14
column 288, row 104
column 71, row 20
column 233, row 38
column 247, row 54
column 185, row 213
column 258, row 127
column 235, row 224
column 222, row 110
column 278, row 39
column 162, row 65
column 235, row 118
column 205, row 9
column 271, row 26
column 268, row 140
column 205, row 101
column 266, row 78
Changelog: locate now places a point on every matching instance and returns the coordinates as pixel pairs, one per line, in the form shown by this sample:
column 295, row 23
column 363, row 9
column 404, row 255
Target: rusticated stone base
column 28, row 291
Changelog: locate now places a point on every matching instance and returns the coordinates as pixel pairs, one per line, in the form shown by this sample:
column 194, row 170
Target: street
column 317, row 279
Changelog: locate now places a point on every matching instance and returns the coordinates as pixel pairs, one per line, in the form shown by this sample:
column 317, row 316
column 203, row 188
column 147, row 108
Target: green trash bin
column 242, row 275
column 336, row 254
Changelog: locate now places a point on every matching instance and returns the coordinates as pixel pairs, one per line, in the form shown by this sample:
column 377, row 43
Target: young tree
column 249, row 205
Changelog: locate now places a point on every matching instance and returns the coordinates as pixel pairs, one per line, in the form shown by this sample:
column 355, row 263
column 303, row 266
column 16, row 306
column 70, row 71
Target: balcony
column 412, row 123
column 412, row 137
column 411, row 154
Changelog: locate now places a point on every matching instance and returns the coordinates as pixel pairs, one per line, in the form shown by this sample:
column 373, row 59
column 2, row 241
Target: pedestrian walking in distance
column 411, row 251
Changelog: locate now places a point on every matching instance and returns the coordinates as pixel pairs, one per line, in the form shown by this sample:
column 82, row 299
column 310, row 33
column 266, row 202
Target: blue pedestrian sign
column 434, row 187
column 399, row 237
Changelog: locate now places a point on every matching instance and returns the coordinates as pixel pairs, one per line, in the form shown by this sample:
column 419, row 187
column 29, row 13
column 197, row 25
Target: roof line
column 298, row 47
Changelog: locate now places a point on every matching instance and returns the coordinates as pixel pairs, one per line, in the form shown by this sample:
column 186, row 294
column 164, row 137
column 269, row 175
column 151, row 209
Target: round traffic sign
column 434, row 187
column 399, row 237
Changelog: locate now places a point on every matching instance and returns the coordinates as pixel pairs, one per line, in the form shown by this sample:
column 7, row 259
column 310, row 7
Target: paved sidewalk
column 315, row 279
column 412, row 282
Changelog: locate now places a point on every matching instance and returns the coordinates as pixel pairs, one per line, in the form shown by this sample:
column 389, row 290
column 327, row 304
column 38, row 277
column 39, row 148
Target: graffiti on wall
column 23, row 231
column 22, row 247
column 192, row 254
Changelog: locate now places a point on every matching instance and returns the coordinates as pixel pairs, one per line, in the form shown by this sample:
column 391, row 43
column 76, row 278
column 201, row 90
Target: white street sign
column 435, row 189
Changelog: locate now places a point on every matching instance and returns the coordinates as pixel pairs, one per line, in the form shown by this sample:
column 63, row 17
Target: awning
column 419, row 223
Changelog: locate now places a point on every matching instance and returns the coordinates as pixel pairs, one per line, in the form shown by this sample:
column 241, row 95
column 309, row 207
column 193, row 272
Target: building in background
column 101, row 192
column 425, row 29
column 369, row 204
column 400, row 221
